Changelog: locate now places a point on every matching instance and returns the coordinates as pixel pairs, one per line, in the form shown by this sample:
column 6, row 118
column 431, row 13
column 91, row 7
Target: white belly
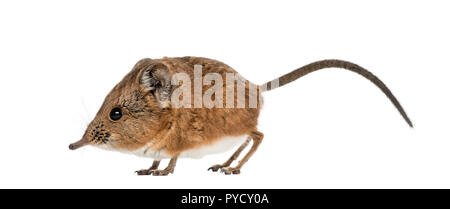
column 222, row 145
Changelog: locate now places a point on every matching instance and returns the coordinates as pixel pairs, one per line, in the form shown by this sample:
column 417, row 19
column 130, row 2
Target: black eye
column 115, row 114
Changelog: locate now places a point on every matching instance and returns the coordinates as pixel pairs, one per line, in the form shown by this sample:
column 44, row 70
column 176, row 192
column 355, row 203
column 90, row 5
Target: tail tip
column 411, row 125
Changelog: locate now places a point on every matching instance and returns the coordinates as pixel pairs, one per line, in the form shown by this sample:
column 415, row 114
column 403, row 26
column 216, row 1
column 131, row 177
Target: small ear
column 157, row 78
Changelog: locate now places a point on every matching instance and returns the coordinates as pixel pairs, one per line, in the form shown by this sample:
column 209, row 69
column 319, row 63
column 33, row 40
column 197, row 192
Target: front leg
column 149, row 170
column 169, row 169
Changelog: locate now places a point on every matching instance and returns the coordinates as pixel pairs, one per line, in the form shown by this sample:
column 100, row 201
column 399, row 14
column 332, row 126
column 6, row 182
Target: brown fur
column 173, row 130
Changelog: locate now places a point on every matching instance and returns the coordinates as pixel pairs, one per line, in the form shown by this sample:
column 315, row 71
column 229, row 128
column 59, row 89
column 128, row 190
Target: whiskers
column 86, row 117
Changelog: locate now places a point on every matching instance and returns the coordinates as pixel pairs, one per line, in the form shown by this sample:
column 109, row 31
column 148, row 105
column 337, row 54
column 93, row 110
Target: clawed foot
column 224, row 169
column 230, row 170
column 164, row 172
column 215, row 168
column 145, row 172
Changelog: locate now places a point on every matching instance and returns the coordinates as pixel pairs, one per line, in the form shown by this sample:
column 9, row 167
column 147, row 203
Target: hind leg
column 233, row 157
column 257, row 139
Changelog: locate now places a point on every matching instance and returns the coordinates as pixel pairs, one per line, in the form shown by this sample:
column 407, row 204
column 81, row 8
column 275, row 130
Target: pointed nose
column 78, row 144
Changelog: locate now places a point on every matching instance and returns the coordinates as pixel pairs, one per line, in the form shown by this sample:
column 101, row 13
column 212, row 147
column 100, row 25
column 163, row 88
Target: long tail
column 300, row 72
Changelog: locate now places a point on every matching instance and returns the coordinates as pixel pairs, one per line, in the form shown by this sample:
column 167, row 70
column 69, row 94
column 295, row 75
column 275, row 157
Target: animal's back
column 202, row 126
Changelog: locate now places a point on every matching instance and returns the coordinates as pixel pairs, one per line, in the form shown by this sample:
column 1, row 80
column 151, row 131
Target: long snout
column 78, row 144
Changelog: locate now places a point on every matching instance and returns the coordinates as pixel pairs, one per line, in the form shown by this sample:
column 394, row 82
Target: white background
column 330, row 129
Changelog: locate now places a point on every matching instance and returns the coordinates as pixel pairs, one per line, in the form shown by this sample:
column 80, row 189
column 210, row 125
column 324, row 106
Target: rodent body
column 171, row 131
column 138, row 117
